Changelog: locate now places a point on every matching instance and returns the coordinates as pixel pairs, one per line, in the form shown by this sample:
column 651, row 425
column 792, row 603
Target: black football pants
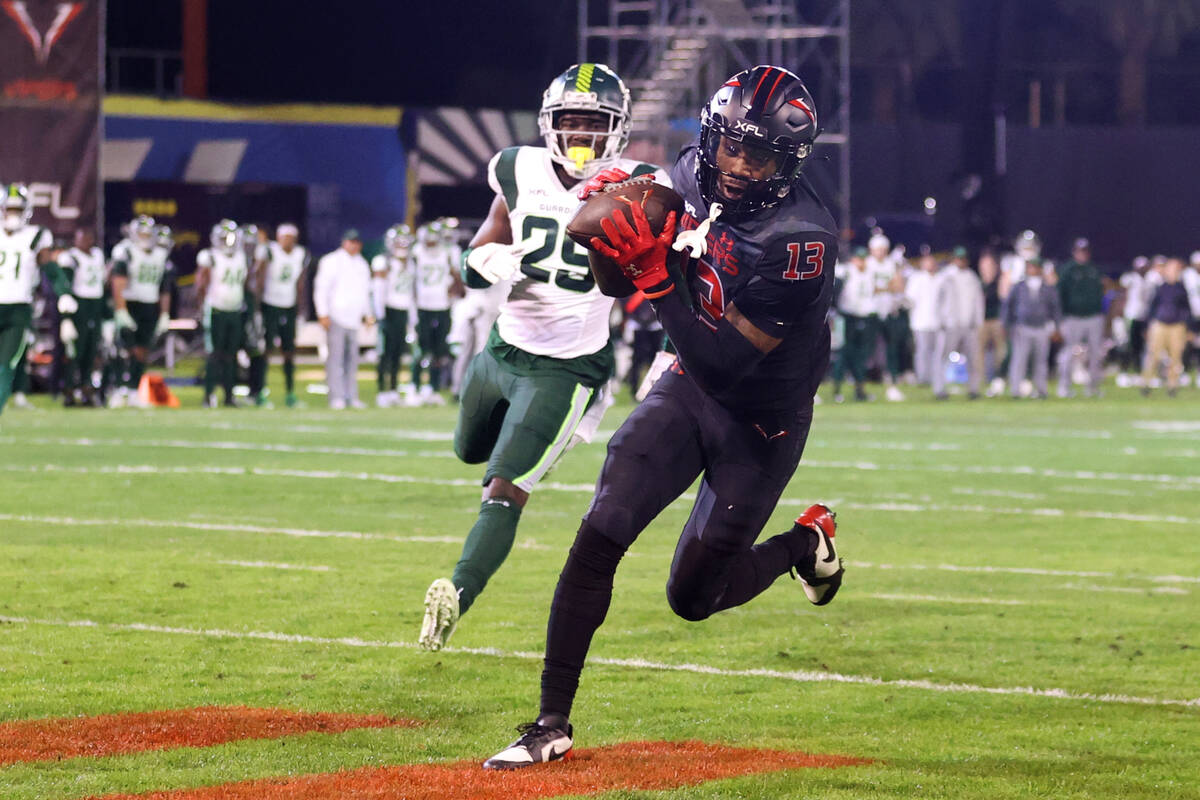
column 675, row 435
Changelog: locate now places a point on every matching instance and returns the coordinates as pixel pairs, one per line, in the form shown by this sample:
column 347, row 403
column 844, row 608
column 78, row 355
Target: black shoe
column 548, row 739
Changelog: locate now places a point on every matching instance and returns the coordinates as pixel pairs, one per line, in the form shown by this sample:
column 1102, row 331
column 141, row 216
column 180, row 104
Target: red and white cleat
column 823, row 577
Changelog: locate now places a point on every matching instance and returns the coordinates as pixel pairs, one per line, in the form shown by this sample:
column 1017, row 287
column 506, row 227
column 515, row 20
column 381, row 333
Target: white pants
column 341, row 365
column 1076, row 331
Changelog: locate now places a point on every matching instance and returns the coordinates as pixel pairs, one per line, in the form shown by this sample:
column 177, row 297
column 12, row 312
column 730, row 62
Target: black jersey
column 776, row 266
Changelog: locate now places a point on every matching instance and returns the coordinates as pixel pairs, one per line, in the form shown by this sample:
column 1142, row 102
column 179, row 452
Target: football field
column 1019, row 616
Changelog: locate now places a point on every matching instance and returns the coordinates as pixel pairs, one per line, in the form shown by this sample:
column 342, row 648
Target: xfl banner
column 50, row 107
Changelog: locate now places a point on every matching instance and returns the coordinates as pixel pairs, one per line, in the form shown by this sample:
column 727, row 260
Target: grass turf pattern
column 1018, row 617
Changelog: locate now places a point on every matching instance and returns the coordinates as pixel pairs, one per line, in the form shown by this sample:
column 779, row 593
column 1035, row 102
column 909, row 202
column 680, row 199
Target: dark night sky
column 502, row 53
column 497, row 54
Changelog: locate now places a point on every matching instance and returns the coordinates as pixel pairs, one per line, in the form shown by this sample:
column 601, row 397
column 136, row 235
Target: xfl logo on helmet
column 742, row 126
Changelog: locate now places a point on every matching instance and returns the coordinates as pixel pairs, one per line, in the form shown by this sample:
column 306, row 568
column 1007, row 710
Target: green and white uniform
column 224, row 299
column 397, row 302
column 87, row 284
column 148, row 273
column 223, row 302
column 538, row 385
column 552, row 333
column 283, row 271
column 19, row 278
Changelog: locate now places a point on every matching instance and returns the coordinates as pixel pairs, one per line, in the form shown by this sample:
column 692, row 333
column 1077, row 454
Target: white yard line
column 928, row 598
column 800, row 676
column 1125, row 589
column 273, row 565
column 232, row 527
column 241, row 446
column 985, row 568
column 914, row 508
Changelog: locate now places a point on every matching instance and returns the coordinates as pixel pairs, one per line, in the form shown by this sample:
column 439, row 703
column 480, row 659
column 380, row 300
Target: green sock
column 136, row 368
column 487, row 545
column 210, row 376
column 289, row 374
column 6, row 378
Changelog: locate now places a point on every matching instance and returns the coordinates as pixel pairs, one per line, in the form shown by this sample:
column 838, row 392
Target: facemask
column 1034, row 283
column 12, row 221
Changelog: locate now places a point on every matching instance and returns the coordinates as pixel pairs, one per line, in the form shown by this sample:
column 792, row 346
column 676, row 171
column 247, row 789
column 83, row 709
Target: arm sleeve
column 791, row 276
column 716, row 358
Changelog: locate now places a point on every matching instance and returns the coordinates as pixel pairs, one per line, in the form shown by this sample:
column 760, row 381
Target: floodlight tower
column 674, row 53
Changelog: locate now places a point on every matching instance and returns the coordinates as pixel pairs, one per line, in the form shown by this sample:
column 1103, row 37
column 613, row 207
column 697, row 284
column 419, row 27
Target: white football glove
column 124, row 319
column 67, row 332
column 662, row 361
column 164, row 322
column 67, row 304
column 695, row 240
column 497, row 262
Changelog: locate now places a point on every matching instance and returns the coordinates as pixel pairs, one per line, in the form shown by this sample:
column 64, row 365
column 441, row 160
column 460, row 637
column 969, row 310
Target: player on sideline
column 537, row 383
column 436, row 280
column 85, row 262
column 222, row 273
column 25, row 250
column 393, row 298
column 141, row 289
column 734, row 409
column 280, row 267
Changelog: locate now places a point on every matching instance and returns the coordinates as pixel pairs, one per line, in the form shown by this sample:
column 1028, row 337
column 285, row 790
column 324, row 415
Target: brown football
column 657, row 201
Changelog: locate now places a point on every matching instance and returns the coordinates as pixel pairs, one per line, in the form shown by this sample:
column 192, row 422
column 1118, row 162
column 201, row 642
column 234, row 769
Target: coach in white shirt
column 342, row 296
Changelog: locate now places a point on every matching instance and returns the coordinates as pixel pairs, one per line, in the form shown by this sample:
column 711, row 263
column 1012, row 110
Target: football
column 657, row 200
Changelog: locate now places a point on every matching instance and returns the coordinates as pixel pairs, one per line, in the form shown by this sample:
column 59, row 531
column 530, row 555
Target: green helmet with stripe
column 589, row 88
column 18, row 208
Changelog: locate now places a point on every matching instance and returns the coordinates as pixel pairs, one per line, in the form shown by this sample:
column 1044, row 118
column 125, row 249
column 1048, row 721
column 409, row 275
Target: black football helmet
column 769, row 112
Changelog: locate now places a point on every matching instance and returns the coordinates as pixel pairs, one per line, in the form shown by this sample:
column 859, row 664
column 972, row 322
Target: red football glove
column 641, row 255
column 596, row 184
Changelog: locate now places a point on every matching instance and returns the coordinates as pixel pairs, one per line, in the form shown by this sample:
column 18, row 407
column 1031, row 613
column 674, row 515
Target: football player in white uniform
column 436, row 279
column 281, row 267
column 527, row 393
column 887, row 271
column 393, row 297
column 222, row 274
column 85, row 264
column 141, row 290
column 25, row 250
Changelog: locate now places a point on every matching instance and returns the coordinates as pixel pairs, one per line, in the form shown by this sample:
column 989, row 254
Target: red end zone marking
column 113, row 734
column 633, row 765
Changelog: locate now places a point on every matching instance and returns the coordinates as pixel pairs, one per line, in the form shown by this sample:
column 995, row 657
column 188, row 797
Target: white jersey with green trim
column 19, row 271
column 227, row 278
column 554, row 307
column 283, row 273
column 145, row 270
column 399, row 277
column 88, row 265
column 433, row 276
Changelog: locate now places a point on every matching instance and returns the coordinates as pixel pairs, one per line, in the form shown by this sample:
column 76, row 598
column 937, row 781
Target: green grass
column 928, row 495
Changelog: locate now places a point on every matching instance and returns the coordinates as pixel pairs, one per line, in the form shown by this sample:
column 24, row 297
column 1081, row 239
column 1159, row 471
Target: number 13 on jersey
column 813, row 254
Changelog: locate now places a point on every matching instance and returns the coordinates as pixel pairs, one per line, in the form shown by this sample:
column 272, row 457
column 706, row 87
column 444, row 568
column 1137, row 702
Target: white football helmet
column 18, row 208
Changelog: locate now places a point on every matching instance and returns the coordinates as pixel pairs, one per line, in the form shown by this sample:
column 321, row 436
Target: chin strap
column 695, row 241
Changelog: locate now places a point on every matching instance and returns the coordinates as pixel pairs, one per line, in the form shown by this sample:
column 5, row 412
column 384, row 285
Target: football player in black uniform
column 747, row 319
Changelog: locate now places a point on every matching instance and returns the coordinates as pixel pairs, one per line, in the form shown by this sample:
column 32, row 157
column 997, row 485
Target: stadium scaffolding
column 673, row 53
